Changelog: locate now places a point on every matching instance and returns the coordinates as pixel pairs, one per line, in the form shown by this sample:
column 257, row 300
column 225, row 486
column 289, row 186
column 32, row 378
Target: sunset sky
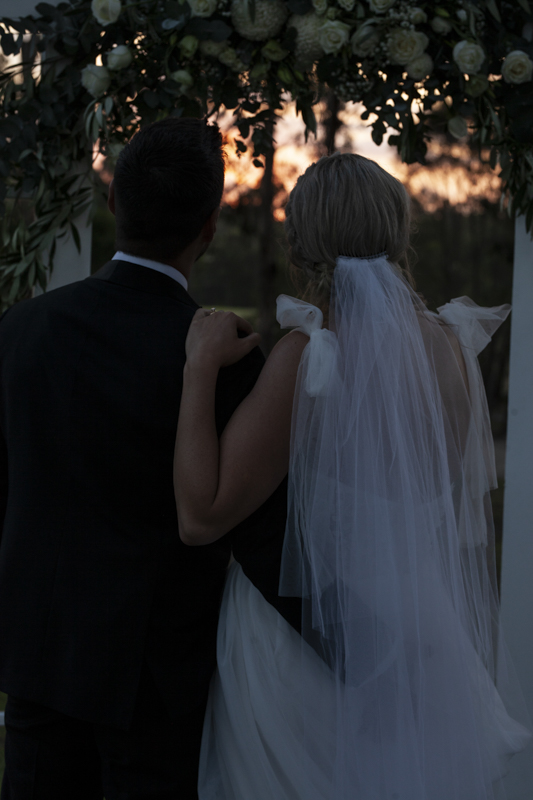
column 463, row 184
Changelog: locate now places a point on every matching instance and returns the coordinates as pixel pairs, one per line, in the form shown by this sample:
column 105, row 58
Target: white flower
column 230, row 59
column 462, row 15
column 188, row 46
column 417, row 16
column 419, row 68
column 457, row 127
column 202, row 8
column 269, row 18
column 95, row 79
column 106, row 11
column 308, row 47
column 405, row 45
column 346, row 4
column 119, row 57
column 183, row 77
column 441, row 25
column 468, row 56
column 517, row 67
column 364, row 40
column 210, row 48
column 333, row 35
column 320, row 6
column 380, row 6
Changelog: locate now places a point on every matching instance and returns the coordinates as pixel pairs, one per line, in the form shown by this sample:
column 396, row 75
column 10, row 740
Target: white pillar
column 517, row 560
column 69, row 264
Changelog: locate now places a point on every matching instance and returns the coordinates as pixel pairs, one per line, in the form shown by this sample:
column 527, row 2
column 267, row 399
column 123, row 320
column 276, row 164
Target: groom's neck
column 183, row 262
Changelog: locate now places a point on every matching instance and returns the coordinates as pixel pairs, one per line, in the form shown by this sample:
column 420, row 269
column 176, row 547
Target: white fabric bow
column 302, row 316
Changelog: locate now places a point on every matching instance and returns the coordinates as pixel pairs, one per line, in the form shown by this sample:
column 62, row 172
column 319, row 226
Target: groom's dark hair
column 168, row 180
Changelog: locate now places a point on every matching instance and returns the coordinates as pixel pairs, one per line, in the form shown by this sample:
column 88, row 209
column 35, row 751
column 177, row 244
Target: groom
column 107, row 621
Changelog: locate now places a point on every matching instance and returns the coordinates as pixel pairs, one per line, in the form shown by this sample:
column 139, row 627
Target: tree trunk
column 267, row 261
column 331, row 121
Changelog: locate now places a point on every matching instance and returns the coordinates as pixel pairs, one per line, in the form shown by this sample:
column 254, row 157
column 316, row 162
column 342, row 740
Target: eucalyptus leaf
column 171, row 24
column 76, row 236
column 494, row 10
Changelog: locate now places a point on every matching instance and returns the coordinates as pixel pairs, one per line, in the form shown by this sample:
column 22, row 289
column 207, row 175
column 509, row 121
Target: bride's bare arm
column 217, row 484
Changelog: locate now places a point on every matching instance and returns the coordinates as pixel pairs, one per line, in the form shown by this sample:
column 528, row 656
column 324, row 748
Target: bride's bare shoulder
column 281, row 366
column 289, row 349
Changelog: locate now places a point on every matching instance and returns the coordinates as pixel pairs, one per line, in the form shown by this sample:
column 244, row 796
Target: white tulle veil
column 390, row 543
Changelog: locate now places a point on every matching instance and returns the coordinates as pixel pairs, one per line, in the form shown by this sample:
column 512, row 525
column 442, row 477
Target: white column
column 517, row 564
column 69, row 264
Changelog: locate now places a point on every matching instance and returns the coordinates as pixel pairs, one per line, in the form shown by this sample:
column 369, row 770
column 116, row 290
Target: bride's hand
column 213, row 338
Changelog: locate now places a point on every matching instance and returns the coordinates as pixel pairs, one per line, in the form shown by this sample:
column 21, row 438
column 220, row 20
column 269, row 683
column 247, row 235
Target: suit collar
column 134, row 276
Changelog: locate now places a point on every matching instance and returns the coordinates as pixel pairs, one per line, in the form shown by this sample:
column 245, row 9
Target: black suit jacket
column 93, row 574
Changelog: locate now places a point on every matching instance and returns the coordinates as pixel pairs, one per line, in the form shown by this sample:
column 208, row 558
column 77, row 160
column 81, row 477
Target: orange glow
column 293, row 154
column 464, row 183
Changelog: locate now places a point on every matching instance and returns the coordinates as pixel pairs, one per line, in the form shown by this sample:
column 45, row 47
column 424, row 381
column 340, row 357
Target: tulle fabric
column 390, row 543
column 389, row 694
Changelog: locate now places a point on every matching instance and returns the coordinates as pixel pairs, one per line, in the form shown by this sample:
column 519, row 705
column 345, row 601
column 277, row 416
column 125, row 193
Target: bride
column 375, row 406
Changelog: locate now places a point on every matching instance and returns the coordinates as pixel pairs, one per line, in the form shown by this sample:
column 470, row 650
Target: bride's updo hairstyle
column 344, row 205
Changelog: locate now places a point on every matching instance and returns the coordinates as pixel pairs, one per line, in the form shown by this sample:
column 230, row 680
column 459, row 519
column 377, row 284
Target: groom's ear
column 111, row 198
column 210, row 225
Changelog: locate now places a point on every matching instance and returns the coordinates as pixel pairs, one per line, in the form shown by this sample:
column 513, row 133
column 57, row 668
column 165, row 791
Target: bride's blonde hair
column 344, row 205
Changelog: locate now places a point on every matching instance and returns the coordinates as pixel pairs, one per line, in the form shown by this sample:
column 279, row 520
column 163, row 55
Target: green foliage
column 187, row 57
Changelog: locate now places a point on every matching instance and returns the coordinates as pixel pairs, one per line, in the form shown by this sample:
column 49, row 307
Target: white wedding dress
column 281, row 724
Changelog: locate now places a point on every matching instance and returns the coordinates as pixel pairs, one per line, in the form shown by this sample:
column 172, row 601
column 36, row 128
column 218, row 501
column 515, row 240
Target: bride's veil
column 390, row 543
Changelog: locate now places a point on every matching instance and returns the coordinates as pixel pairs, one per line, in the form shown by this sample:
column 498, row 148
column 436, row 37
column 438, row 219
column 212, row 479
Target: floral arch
column 91, row 72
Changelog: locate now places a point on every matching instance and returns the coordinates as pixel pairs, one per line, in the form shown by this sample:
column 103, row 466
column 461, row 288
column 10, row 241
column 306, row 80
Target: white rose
column 517, row 67
column 380, row 6
column 210, row 48
column 346, row 4
column 441, row 25
column 364, row 40
column 457, row 127
column 462, row 15
column 106, row 11
column 468, row 56
column 320, row 6
column 119, row 57
column 202, row 8
column 183, row 77
column 405, row 45
column 269, row 18
column 419, row 68
column 230, row 59
column 417, row 16
column 333, row 35
column 308, row 47
column 95, row 79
